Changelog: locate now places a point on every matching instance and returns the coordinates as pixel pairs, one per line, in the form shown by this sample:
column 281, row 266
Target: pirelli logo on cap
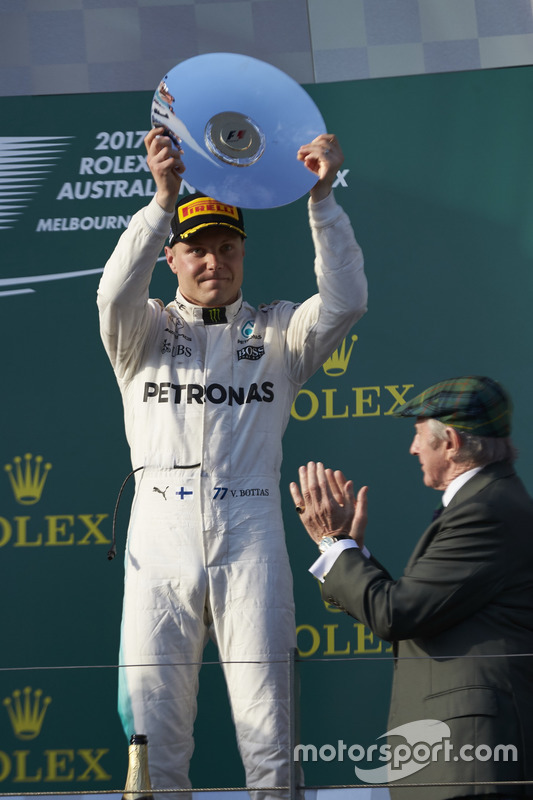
column 198, row 208
column 199, row 211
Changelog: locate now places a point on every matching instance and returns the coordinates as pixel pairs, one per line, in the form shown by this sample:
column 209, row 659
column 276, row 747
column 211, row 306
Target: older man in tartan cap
column 461, row 615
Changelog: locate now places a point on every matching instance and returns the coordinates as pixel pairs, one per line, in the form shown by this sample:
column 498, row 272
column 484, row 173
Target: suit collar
column 457, row 483
column 490, row 473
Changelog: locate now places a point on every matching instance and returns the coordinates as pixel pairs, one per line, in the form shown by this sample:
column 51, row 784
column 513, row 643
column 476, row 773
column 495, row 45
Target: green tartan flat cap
column 473, row 404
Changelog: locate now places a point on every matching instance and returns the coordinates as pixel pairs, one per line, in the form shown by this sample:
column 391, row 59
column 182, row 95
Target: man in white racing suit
column 207, row 384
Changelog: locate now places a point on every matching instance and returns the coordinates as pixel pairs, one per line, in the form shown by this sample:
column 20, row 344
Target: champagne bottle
column 138, row 786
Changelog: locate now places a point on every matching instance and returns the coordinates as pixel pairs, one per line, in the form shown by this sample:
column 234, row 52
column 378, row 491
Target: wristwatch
column 327, row 541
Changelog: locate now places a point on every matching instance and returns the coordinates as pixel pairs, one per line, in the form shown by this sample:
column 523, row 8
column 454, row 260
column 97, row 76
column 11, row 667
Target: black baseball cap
column 197, row 211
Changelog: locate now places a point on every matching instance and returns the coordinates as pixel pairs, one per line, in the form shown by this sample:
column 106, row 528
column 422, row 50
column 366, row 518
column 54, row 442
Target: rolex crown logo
column 27, row 482
column 27, row 715
column 337, row 363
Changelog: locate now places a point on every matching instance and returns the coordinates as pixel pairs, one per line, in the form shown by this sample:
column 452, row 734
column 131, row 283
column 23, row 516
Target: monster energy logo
column 214, row 316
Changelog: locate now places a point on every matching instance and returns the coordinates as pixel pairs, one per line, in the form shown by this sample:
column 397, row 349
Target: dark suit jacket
column 466, row 595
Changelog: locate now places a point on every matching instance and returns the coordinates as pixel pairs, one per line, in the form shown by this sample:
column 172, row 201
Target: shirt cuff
column 324, row 563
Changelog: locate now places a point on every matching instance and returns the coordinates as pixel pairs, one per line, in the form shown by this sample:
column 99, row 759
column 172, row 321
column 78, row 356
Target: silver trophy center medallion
column 234, row 138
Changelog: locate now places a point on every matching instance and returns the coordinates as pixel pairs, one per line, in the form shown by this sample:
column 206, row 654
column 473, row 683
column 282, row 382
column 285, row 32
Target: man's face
column 432, row 454
column 209, row 266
